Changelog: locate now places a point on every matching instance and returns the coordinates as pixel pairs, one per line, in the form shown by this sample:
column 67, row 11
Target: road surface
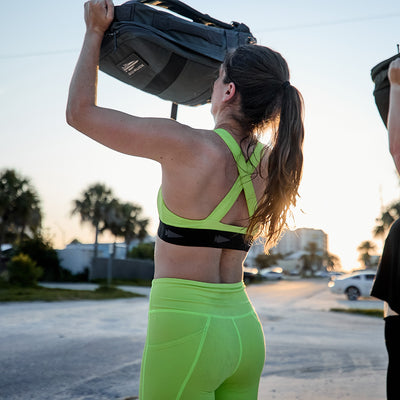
column 91, row 350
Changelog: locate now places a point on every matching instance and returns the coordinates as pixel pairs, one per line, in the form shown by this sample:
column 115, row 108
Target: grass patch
column 125, row 282
column 39, row 293
column 360, row 311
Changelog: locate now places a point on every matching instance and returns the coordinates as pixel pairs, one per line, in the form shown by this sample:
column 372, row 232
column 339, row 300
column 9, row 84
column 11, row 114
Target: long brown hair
column 268, row 100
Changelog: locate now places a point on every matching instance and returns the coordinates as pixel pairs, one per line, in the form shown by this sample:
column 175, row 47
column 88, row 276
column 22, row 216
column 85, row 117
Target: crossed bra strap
column 210, row 231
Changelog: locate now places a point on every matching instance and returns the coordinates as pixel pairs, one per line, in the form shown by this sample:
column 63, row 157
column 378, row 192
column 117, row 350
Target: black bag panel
column 131, row 48
column 195, row 92
column 162, row 54
column 159, row 77
column 379, row 75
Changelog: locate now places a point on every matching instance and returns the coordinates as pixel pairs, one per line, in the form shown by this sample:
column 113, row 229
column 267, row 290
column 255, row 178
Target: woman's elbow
column 71, row 115
column 396, row 160
column 75, row 116
column 394, row 141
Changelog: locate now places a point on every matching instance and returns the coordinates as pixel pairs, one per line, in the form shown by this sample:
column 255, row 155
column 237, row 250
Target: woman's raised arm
column 153, row 138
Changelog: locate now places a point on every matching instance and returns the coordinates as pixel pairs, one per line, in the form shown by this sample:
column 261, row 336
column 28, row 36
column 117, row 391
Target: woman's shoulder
column 187, row 146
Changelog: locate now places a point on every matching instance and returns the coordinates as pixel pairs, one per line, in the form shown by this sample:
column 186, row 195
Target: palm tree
column 267, row 260
column 113, row 221
column 133, row 226
column 387, row 217
column 332, row 261
column 311, row 258
column 92, row 207
column 364, row 249
column 29, row 216
column 20, row 210
column 123, row 220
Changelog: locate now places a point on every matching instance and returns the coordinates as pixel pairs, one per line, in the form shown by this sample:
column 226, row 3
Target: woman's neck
column 233, row 128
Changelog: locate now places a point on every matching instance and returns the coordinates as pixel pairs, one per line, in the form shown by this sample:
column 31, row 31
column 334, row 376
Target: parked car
column 274, row 274
column 250, row 275
column 335, row 274
column 353, row 285
column 322, row 274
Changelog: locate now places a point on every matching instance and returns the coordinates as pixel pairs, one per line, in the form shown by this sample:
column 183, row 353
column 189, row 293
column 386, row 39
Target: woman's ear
column 230, row 91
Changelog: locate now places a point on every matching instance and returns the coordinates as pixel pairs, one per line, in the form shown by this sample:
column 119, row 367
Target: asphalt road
column 92, row 350
column 315, row 354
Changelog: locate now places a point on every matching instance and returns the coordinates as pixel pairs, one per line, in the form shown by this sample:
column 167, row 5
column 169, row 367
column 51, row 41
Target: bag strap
column 189, row 12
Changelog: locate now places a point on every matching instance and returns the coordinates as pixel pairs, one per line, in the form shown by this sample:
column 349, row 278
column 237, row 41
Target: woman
column 220, row 190
column 387, row 283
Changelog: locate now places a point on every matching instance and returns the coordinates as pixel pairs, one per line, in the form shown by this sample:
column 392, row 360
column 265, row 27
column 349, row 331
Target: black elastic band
column 165, row 78
column 202, row 237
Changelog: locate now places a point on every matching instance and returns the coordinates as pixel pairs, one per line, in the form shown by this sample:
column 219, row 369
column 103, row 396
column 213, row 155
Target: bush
column 41, row 251
column 143, row 251
column 23, row 271
column 4, row 279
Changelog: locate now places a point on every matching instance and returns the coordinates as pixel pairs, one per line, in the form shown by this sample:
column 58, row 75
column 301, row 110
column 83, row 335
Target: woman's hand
column 98, row 15
column 394, row 112
column 162, row 140
column 394, row 72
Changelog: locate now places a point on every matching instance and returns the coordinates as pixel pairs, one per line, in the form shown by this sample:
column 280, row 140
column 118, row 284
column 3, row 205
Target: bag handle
column 189, row 12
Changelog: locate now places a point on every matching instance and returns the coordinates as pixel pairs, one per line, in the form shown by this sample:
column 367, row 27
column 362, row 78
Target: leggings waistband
column 217, row 299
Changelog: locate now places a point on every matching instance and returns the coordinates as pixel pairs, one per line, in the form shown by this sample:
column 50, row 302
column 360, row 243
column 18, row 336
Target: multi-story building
column 293, row 241
column 292, row 247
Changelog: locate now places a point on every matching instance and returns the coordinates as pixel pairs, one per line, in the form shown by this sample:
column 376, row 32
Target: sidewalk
column 93, row 286
column 351, row 386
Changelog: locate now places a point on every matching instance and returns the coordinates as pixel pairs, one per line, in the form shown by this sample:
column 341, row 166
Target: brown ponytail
column 261, row 77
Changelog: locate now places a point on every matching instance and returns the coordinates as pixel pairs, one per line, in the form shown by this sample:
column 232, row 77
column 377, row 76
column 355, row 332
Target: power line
column 38, row 54
column 328, row 23
column 273, row 29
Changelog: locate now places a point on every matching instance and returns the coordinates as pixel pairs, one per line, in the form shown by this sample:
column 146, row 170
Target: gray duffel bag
column 166, row 55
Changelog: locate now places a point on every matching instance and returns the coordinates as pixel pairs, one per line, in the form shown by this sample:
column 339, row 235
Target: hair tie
column 285, row 84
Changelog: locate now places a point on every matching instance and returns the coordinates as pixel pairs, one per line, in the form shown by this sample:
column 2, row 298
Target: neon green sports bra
column 210, row 231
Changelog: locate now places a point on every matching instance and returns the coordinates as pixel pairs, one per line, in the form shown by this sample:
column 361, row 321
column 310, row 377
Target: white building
column 78, row 256
column 291, row 246
column 293, row 241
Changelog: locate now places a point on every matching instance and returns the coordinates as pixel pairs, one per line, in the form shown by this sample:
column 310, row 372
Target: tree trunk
column 127, row 244
column 96, row 245
column 110, row 263
column 96, row 241
column 1, row 243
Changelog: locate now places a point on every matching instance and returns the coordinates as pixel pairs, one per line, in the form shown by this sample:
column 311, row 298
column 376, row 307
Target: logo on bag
column 132, row 65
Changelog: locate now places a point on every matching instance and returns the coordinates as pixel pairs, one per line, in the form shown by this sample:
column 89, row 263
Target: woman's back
column 192, row 191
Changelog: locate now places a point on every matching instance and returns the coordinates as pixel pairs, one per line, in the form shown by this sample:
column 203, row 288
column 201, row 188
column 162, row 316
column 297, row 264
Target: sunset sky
column 330, row 48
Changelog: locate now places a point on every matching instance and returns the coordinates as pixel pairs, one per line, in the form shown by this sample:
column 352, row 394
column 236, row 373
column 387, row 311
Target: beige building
column 291, row 246
column 293, row 241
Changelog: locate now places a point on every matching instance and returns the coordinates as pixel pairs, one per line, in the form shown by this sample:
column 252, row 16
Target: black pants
column 392, row 338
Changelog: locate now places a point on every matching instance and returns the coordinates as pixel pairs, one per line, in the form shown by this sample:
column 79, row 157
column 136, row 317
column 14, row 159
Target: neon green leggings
column 204, row 342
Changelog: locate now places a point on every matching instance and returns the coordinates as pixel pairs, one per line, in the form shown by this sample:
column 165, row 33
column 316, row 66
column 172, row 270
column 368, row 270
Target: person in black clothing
column 387, row 282
column 387, row 288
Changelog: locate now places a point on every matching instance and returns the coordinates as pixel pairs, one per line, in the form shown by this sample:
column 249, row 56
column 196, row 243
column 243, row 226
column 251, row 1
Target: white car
column 273, row 274
column 353, row 285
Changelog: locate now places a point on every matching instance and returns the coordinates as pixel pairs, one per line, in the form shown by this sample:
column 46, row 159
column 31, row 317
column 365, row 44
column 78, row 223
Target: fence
column 132, row 268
